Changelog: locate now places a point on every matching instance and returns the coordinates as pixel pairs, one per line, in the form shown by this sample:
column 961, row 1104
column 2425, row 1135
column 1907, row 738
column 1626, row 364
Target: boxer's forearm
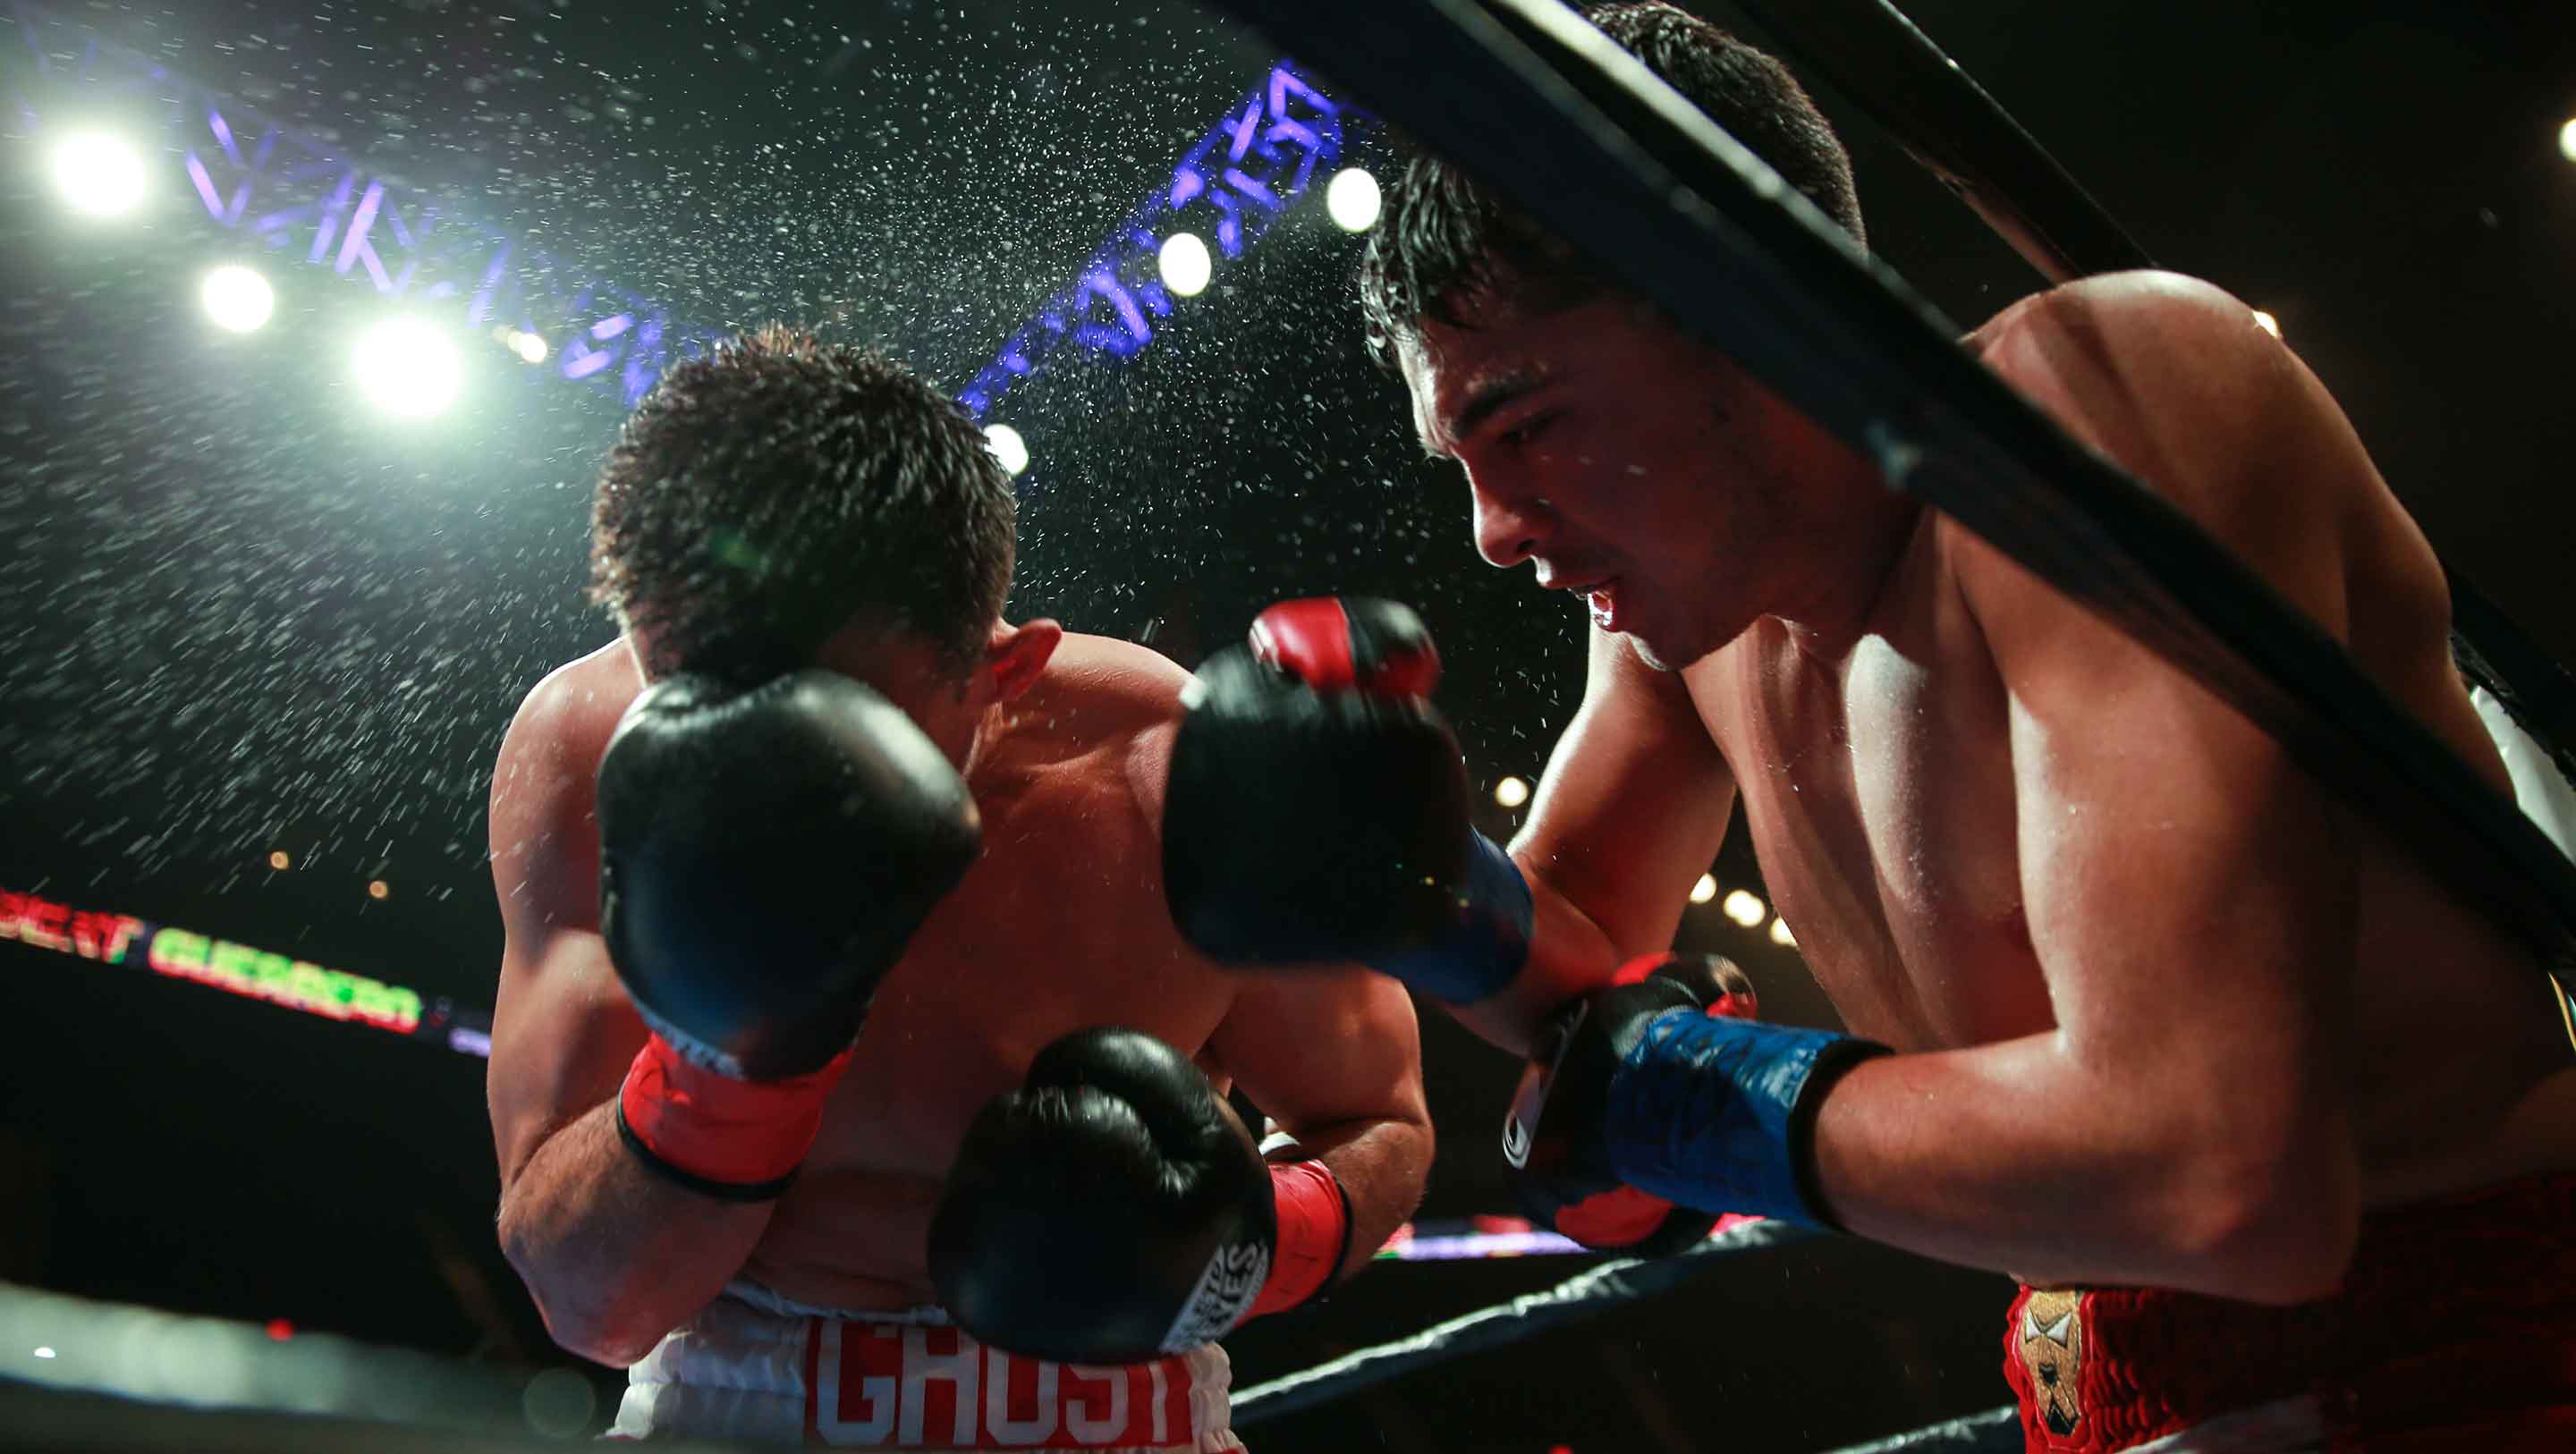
column 2014, row 1158
column 1382, row 1165
column 1568, row 956
column 614, row 1255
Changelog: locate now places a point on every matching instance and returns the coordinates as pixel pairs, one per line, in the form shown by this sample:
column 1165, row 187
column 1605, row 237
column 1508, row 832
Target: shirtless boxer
column 738, row 1200
column 2276, row 1131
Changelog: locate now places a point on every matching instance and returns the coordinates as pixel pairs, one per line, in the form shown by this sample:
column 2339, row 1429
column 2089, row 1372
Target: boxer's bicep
column 1633, row 804
column 2189, row 897
column 1316, row 1048
column 562, row 1030
column 1334, row 1057
column 2189, row 892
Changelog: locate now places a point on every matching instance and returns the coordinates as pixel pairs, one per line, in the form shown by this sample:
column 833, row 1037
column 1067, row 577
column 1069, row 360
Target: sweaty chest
column 1879, row 794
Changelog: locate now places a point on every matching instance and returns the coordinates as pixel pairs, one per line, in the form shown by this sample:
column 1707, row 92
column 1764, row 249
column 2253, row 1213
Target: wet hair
column 766, row 497
column 1445, row 241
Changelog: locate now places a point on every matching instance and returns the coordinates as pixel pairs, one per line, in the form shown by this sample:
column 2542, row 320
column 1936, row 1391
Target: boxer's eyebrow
column 1486, row 398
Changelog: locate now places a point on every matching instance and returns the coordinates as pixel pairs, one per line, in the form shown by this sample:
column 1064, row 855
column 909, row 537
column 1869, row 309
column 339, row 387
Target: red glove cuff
column 1314, row 1235
column 749, row 1135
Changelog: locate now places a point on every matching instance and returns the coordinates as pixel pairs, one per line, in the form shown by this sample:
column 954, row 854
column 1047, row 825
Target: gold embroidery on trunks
column 2052, row 1351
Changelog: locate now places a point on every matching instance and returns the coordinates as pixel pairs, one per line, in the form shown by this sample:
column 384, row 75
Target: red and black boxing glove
column 1317, row 804
column 1358, row 645
column 1564, row 1178
column 1113, row 1209
column 765, row 855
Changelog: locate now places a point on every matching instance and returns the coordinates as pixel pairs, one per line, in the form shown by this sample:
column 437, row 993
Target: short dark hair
column 1444, row 237
column 767, row 496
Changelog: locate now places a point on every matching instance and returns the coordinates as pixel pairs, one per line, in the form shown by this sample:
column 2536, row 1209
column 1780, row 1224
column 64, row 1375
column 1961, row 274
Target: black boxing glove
column 1317, row 809
column 1115, row 1210
column 764, row 857
column 1657, row 1100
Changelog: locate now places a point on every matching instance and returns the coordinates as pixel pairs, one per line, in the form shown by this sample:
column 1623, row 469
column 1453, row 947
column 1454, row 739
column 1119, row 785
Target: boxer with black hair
column 839, row 1012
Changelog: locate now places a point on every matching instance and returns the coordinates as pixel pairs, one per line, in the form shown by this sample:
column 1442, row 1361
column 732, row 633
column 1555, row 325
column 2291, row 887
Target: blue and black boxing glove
column 1654, row 1103
column 1316, row 809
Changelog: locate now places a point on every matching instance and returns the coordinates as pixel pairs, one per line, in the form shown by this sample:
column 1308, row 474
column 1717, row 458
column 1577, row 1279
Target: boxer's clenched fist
column 764, row 857
column 1317, row 804
column 1113, row 1209
column 1658, row 1098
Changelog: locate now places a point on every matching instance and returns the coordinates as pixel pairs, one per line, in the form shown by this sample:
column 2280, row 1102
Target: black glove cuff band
column 1350, row 1229
column 1830, row 1066
column 723, row 1191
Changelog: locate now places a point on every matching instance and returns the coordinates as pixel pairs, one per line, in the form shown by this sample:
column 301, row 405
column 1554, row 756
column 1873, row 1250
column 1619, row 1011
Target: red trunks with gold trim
column 2454, row 1329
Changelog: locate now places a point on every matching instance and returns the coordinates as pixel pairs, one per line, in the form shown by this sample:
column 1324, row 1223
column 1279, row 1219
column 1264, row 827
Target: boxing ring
column 1605, row 154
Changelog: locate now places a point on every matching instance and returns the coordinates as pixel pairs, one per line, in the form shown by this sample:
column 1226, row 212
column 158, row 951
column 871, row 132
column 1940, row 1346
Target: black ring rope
column 1611, row 1284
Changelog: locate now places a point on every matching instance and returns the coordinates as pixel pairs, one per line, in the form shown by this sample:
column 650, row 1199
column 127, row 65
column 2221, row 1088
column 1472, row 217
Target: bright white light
column 408, row 368
column 1745, row 909
column 44, row 1352
column 2567, row 140
column 1511, row 792
column 99, row 176
column 1780, row 934
column 1185, row 263
column 1008, row 447
column 529, row 347
column 1351, row 198
column 2267, row 323
column 237, row 298
column 1705, row 889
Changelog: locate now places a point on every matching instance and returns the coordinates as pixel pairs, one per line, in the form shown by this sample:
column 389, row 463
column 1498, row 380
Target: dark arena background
column 325, row 312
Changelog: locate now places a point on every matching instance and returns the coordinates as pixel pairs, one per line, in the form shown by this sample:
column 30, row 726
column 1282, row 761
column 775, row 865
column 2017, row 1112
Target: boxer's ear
column 1015, row 656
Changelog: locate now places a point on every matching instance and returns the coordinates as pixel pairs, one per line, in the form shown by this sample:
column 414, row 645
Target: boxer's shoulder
column 1097, row 695
column 1099, row 720
column 2145, row 308
column 2140, row 360
column 2181, row 383
column 542, row 778
column 572, row 711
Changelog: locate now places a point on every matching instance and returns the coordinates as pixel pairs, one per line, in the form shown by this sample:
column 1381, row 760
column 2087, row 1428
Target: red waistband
column 2455, row 1309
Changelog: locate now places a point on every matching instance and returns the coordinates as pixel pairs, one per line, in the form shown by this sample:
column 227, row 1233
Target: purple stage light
column 1231, row 185
column 304, row 197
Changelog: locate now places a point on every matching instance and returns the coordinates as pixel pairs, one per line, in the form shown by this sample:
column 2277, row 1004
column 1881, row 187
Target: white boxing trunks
column 753, row 1366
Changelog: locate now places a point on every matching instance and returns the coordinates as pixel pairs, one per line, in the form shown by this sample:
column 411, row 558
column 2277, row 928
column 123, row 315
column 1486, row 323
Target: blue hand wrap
column 1484, row 951
column 1718, row 1114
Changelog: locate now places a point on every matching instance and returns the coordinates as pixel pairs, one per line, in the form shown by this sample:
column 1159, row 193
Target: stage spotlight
column 1008, row 447
column 1511, row 792
column 1351, row 197
column 1185, row 264
column 1705, row 889
column 99, row 175
column 2567, row 141
column 237, row 298
column 1745, row 909
column 1781, row 936
column 407, row 368
column 529, row 347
